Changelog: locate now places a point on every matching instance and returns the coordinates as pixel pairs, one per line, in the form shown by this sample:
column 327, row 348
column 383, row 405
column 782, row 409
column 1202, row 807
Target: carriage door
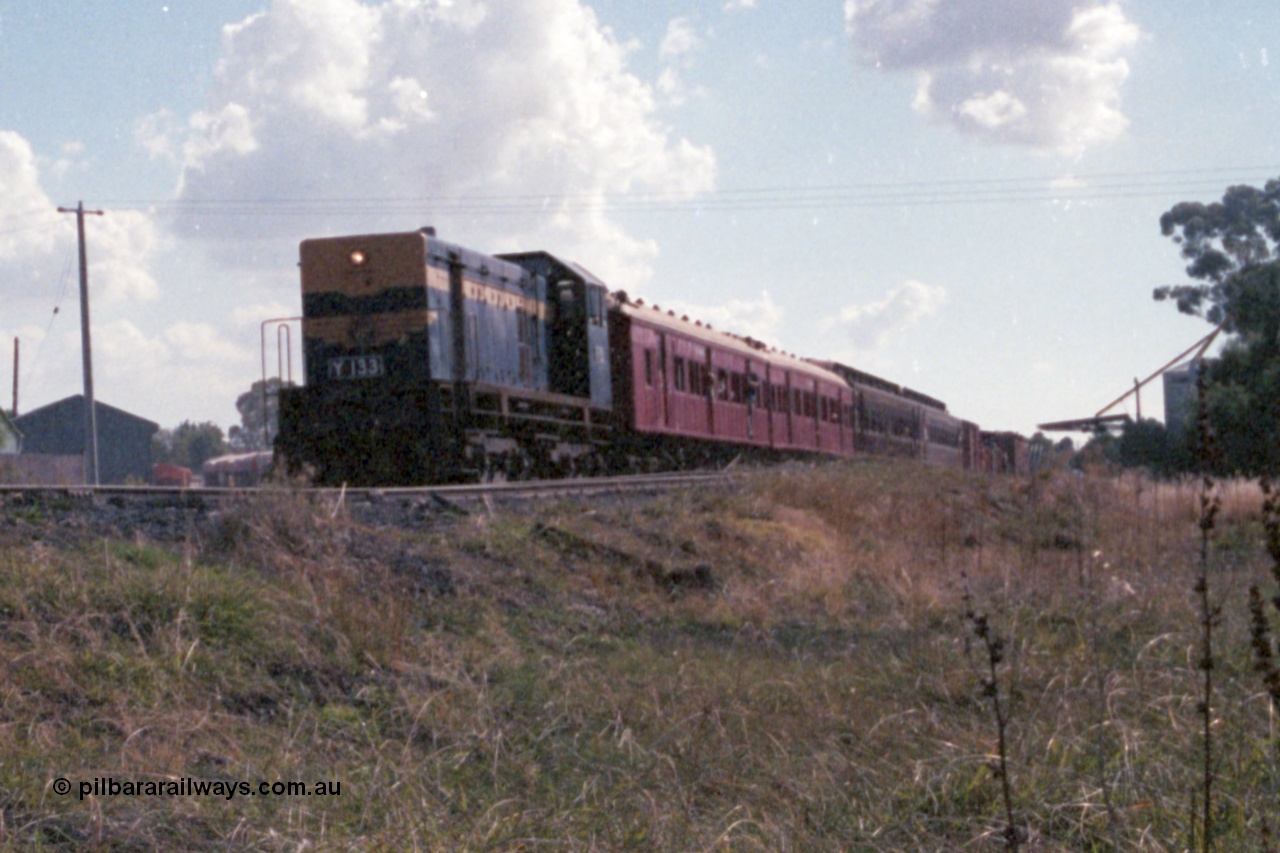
column 663, row 391
column 646, row 351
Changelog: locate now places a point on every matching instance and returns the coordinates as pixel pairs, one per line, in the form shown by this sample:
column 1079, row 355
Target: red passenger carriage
column 679, row 379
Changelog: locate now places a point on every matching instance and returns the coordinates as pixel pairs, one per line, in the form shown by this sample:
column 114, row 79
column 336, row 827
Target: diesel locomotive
column 427, row 362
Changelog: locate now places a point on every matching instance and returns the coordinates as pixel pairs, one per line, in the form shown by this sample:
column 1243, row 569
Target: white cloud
column 680, row 40
column 251, row 316
column 678, row 47
column 201, row 343
column 994, row 110
column 121, row 348
column 870, row 326
column 739, row 5
column 155, row 134
column 229, row 130
column 70, row 159
column 1046, row 75
column 752, row 318
column 38, row 244
column 39, row 265
column 187, row 370
column 415, row 112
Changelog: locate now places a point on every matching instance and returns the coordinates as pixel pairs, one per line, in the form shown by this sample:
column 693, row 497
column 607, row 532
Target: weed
column 994, row 646
column 563, row 673
column 1210, row 612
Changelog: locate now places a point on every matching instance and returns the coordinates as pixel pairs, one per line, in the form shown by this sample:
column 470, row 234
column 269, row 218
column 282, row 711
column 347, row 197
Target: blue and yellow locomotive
column 429, row 362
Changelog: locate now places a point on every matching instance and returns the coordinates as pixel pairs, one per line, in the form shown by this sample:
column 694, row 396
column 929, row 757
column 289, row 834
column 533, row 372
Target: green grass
column 783, row 666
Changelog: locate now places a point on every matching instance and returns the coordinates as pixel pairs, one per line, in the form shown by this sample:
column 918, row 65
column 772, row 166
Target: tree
column 189, row 444
column 1234, row 249
column 259, row 416
column 1221, row 240
column 1100, row 451
column 1148, row 444
column 1242, row 401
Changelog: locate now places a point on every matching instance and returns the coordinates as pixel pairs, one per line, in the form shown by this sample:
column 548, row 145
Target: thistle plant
column 994, row 645
column 1210, row 613
column 1264, row 648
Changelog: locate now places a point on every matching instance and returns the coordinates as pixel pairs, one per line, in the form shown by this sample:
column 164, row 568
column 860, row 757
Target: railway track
column 69, row 516
column 525, row 489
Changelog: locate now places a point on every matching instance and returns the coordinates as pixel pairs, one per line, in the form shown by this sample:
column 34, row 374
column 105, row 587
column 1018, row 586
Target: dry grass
column 781, row 667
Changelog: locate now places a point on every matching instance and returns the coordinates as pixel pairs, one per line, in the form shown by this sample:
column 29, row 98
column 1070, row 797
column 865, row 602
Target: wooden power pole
column 86, row 352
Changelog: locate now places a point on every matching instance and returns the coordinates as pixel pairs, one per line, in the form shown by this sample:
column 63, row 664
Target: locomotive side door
column 458, row 329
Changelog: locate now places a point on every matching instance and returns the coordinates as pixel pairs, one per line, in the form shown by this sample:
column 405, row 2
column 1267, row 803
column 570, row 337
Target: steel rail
column 514, row 489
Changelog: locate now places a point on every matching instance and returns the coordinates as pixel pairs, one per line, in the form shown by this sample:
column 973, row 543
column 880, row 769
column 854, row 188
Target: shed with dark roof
column 124, row 439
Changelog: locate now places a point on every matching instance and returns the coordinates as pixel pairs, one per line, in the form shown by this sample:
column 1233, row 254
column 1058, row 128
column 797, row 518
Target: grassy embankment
column 784, row 667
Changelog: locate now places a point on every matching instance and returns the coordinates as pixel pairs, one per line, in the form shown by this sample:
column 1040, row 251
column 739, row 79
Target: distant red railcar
column 164, row 474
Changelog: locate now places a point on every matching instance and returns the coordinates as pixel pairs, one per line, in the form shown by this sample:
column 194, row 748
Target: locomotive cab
column 578, row 348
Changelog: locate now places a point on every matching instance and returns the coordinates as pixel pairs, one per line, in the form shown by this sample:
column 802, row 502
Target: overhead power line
column 1173, row 183
column 1071, row 189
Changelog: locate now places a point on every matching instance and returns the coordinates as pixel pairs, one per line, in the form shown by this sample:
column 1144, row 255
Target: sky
column 962, row 196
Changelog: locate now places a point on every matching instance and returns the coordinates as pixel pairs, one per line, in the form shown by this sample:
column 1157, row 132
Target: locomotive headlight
column 357, row 258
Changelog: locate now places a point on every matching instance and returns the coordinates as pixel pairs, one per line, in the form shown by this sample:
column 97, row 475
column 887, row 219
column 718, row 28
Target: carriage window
column 695, row 378
column 648, row 368
column 722, row 384
column 679, row 373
